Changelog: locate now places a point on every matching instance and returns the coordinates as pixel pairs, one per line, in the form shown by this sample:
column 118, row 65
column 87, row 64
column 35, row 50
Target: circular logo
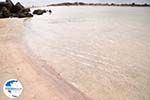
column 12, row 88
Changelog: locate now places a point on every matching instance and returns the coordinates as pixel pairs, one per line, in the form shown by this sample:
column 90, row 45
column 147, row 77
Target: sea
column 102, row 51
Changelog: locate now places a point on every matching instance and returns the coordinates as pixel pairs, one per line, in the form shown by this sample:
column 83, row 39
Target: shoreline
column 16, row 62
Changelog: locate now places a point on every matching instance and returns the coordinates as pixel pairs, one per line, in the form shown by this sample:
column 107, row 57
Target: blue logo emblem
column 12, row 88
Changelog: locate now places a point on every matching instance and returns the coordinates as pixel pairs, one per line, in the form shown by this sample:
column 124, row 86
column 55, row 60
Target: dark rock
column 14, row 15
column 8, row 9
column 23, row 15
column 39, row 12
column 5, row 12
column 29, row 15
column 3, row 4
column 133, row 4
column 146, row 4
column 10, row 4
column 1, row 16
column 44, row 11
column 26, row 10
column 18, row 7
column 50, row 11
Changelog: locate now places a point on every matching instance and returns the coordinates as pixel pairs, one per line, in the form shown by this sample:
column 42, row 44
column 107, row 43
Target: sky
column 46, row 2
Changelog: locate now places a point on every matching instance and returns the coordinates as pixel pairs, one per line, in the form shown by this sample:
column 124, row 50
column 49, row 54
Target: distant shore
column 99, row 4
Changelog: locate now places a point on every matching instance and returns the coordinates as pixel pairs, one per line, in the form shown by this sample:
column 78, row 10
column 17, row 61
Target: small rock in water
column 39, row 12
column 50, row 11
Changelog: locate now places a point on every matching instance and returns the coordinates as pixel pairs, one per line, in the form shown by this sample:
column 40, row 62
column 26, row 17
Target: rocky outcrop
column 5, row 12
column 8, row 9
column 39, row 12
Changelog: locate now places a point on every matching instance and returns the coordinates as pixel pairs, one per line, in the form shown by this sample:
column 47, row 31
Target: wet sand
column 15, row 63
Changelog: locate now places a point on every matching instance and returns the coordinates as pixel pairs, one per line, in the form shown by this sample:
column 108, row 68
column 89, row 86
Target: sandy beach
column 16, row 64
column 78, row 53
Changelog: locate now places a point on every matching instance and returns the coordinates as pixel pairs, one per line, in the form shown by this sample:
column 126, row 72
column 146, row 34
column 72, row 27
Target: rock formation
column 8, row 9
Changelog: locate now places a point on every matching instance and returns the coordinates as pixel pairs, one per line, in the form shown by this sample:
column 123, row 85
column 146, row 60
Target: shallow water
column 103, row 51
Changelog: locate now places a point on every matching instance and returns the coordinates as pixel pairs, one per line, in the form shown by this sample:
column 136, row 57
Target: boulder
column 39, row 12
